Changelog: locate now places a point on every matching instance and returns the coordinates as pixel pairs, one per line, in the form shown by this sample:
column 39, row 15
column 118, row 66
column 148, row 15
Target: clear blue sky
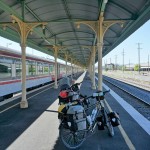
column 142, row 35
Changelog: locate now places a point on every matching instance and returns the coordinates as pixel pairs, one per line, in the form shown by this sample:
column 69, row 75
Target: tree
column 136, row 67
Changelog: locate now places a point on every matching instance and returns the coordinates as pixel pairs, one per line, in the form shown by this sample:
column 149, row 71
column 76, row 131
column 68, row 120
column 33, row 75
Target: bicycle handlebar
column 97, row 94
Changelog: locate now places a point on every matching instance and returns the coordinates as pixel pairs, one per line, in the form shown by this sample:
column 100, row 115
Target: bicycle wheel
column 108, row 124
column 72, row 139
column 110, row 128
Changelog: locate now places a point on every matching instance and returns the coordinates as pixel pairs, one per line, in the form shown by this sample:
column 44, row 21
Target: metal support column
column 100, row 46
column 100, row 27
column 23, row 28
column 66, row 64
column 90, row 67
column 56, row 74
column 71, row 69
column 24, row 102
column 93, row 69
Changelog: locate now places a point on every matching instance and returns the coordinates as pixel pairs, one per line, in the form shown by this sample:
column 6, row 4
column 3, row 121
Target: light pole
column 139, row 55
column 123, row 61
column 110, row 64
column 129, row 64
column 148, row 63
column 116, row 61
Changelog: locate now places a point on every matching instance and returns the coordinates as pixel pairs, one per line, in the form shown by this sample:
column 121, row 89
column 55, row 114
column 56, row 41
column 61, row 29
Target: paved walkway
column 36, row 128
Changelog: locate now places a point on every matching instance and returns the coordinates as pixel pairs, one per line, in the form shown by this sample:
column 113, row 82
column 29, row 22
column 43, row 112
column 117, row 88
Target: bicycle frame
column 98, row 105
column 100, row 110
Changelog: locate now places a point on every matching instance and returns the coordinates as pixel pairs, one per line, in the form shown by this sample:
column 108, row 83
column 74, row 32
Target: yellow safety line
column 125, row 136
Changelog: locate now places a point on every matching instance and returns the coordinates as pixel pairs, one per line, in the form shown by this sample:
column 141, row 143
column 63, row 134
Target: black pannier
column 100, row 123
column 114, row 118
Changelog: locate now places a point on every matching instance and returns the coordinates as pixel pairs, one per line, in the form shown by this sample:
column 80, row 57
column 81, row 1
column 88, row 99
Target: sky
column 130, row 46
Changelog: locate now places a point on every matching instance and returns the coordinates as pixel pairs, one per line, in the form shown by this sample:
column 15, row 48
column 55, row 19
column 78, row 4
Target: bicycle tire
column 110, row 129
column 72, row 139
column 109, row 125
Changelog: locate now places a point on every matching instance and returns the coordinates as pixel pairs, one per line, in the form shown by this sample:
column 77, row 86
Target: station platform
column 36, row 128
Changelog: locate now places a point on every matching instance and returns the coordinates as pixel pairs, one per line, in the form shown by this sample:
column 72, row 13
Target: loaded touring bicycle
column 76, row 124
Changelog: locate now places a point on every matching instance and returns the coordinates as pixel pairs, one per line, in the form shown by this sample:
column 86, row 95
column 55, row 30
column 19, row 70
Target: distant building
column 143, row 67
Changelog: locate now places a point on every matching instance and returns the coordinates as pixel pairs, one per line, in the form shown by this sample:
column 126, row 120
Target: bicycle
column 75, row 126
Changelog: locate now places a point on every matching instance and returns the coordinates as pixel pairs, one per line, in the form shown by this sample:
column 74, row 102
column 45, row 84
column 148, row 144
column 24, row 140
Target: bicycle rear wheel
column 72, row 139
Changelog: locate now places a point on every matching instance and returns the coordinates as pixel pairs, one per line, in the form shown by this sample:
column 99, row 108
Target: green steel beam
column 132, row 27
column 9, row 10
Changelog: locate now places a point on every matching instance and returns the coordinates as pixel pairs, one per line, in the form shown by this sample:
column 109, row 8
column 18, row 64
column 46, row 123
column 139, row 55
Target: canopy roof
column 61, row 28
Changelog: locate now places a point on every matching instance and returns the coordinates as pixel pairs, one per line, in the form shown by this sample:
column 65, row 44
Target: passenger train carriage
column 39, row 71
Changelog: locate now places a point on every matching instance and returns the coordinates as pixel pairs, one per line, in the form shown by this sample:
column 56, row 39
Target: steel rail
column 127, row 91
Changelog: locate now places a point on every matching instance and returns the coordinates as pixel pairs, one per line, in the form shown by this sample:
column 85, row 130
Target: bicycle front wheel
column 110, row 128
column 72, row 139
column 109, row 125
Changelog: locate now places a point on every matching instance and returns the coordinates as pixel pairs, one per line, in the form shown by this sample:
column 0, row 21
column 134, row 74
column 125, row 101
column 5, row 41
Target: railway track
column 131, row 81
column 136, row 97
column 140, row 94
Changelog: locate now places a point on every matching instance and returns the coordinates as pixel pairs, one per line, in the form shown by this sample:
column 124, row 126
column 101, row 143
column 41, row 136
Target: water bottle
column 94, row 111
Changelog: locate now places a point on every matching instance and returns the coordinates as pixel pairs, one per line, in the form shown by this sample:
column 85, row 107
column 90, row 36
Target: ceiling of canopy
column 61, row 29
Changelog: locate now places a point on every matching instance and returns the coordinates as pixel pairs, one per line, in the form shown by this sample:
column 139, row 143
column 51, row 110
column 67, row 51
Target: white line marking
column 19, row 103
column 9, row 108
column 141, row 120
column 123, row 133
column 125, row 136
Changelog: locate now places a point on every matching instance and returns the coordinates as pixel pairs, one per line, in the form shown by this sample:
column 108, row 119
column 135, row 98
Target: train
column 39, row 71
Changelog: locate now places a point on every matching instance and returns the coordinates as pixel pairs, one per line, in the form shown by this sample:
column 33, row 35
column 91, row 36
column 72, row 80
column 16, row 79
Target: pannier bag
column 100, row 123
column 61, row 111
column 114, row 118
column 76, row 118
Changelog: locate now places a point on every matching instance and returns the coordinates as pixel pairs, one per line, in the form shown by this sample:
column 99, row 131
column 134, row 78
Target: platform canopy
column 66, row 24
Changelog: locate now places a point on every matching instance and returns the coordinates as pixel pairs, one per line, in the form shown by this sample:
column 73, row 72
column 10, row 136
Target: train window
column 5, row 70
column 51, row 69
column 45, row 69
column 18, row 70
column 62, row 70
column 40, row 69
column 31, row 69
